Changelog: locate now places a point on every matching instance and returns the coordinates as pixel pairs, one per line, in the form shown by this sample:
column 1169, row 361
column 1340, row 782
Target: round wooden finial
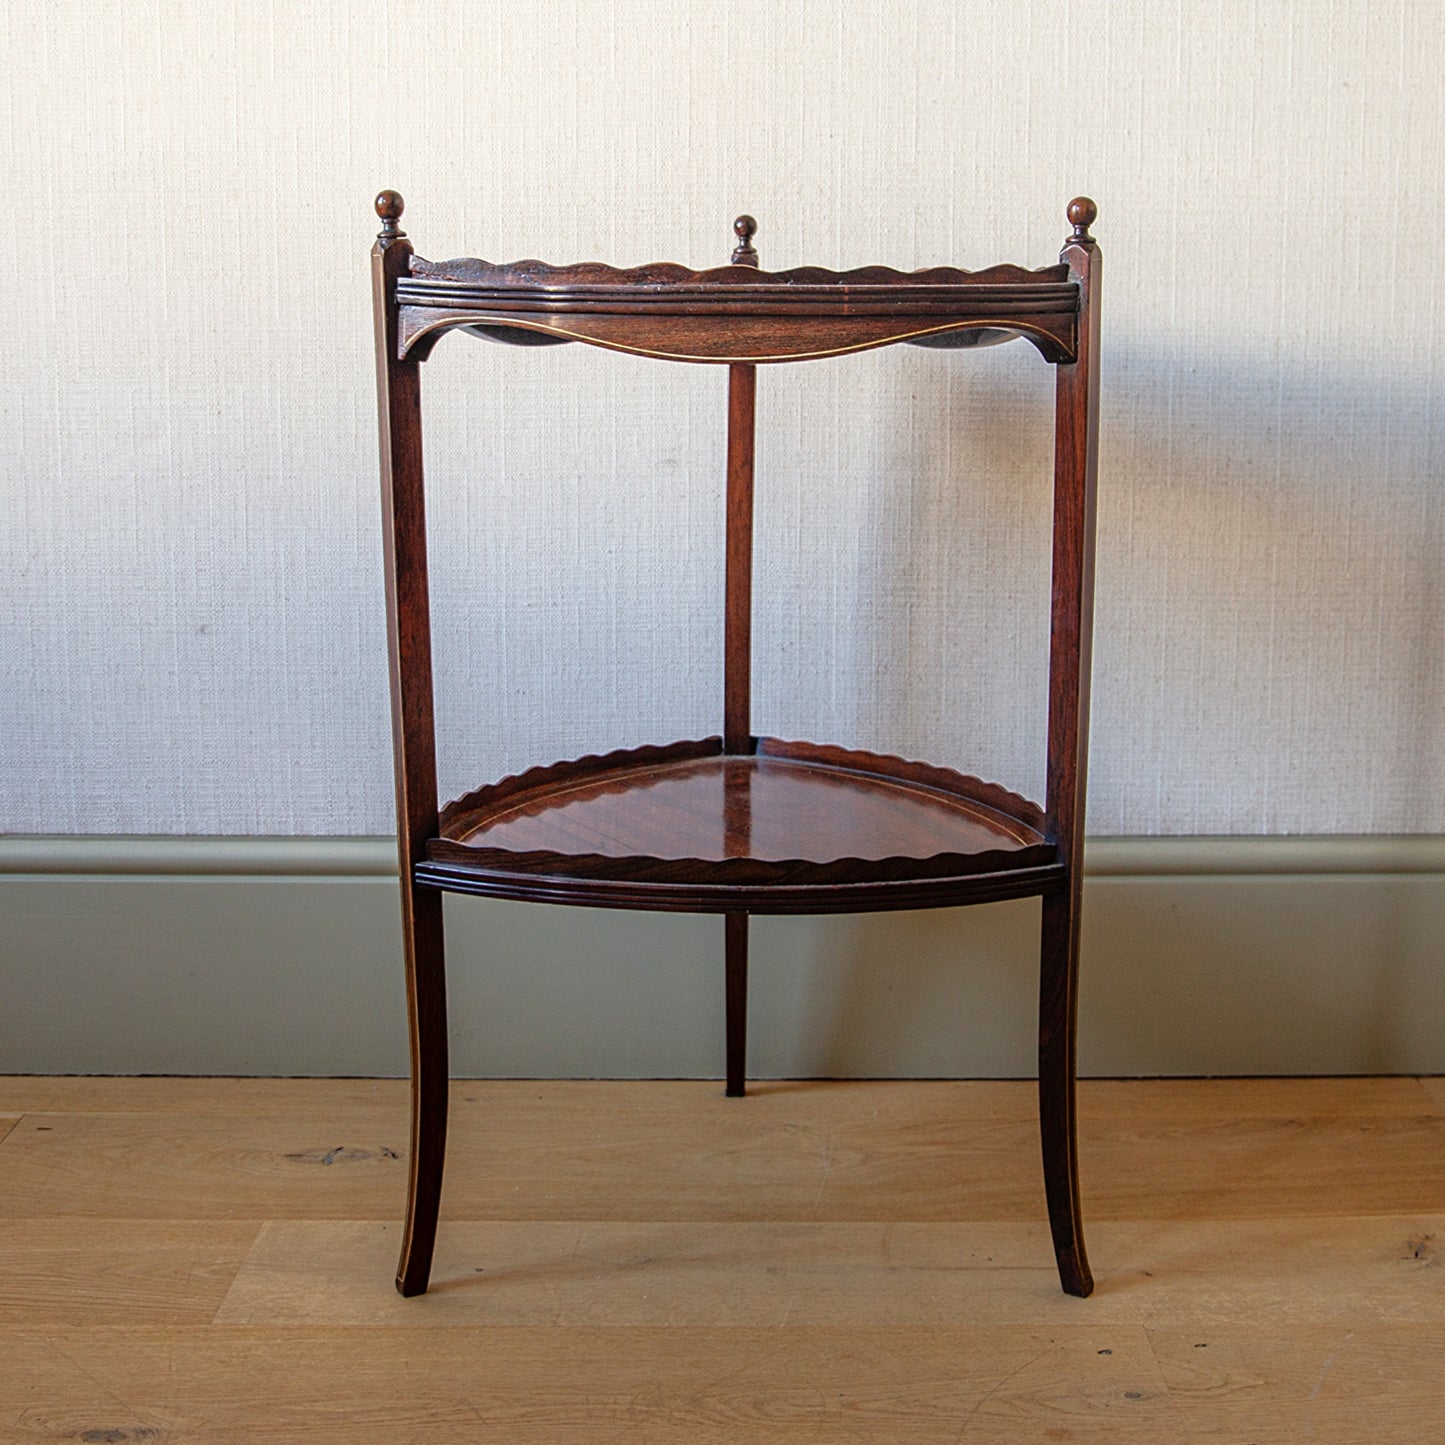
column 1082, row 214
column 745, row 228
column 389, row 206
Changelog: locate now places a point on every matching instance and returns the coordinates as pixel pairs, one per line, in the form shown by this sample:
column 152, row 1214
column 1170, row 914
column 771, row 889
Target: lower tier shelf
column 790, row 827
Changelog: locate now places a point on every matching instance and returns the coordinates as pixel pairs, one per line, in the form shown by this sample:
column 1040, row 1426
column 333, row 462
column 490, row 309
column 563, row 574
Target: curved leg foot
column 430, row 1077
column 1058, row 992
column 737, row 1004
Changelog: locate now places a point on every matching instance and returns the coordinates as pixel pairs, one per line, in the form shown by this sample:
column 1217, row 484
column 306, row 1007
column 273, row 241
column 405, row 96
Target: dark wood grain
column 1070, row 650
column 779, row 801
column 687, row 826
column 736, row 313
column 735, row 942
column 745, row 253
column 738, row 824
column 748, row 886
column 737, row 803
column 729, row 336
column 669, row 278
column 761, row 808
column 738, row 585
column 1001, row 800
column 408, row 619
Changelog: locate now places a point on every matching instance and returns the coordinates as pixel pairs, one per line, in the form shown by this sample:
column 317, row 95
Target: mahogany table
column 738, row 824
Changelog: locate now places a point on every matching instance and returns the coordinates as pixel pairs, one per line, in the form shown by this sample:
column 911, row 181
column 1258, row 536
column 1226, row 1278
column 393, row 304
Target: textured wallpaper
column 193, row 634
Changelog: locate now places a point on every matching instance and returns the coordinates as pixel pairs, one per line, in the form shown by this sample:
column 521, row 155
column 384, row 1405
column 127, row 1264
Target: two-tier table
column 738, row 824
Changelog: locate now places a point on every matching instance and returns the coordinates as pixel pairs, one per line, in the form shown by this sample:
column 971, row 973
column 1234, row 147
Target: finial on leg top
column 745, row 228
column 389, row 206
column 1082, row 214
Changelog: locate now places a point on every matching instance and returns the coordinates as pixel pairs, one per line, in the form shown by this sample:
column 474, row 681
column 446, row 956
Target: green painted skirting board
column 281, row 956
column 376, row 857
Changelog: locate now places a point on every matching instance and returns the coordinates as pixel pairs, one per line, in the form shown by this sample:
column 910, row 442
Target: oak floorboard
column 604, row 1385
column 903, row 1151
column 104, row 1271
column 1102, row 1099
column 151, row 1094
column 806, row 1386
column 803, row 1283
column 1283, row 1272
column 7, row 1123
column 204, row 1166
column 1386, row 1364
column 1282, row 1096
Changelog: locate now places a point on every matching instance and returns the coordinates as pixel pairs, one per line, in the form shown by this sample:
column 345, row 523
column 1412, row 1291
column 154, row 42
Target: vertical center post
column 738, row 618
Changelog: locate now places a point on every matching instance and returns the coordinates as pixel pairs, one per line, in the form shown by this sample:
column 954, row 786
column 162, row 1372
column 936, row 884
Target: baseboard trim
column 200, row 857
column 1107, row 857
column 282, row 956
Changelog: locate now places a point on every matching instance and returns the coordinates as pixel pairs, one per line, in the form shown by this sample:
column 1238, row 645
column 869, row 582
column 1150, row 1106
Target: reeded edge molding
column 171, row 856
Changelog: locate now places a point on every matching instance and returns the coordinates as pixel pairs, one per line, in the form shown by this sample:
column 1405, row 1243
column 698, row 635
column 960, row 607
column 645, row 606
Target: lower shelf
column 789, row 828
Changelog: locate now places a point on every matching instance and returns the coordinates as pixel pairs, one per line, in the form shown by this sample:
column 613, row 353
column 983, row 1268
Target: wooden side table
column 738, row 824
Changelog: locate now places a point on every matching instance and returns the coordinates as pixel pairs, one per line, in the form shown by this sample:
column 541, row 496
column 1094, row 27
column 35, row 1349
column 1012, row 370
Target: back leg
column 737, row 1003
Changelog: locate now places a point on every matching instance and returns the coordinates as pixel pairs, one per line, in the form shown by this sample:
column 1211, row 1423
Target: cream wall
column 190, row 552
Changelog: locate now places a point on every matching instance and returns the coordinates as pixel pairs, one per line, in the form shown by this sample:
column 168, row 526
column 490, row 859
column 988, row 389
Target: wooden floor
column 212, row 1260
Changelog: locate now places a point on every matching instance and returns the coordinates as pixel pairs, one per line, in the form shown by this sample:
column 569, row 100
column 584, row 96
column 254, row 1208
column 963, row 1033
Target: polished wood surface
column 735, row 995
column 788, row 827
column 745, row 253
column 738, row 562
column 753, row 340
column 740, row 825
column 408, row 625
column 736, row 814
column 1070, row 651
column 203, row 1261
column 737, row 313
column 746, row 807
